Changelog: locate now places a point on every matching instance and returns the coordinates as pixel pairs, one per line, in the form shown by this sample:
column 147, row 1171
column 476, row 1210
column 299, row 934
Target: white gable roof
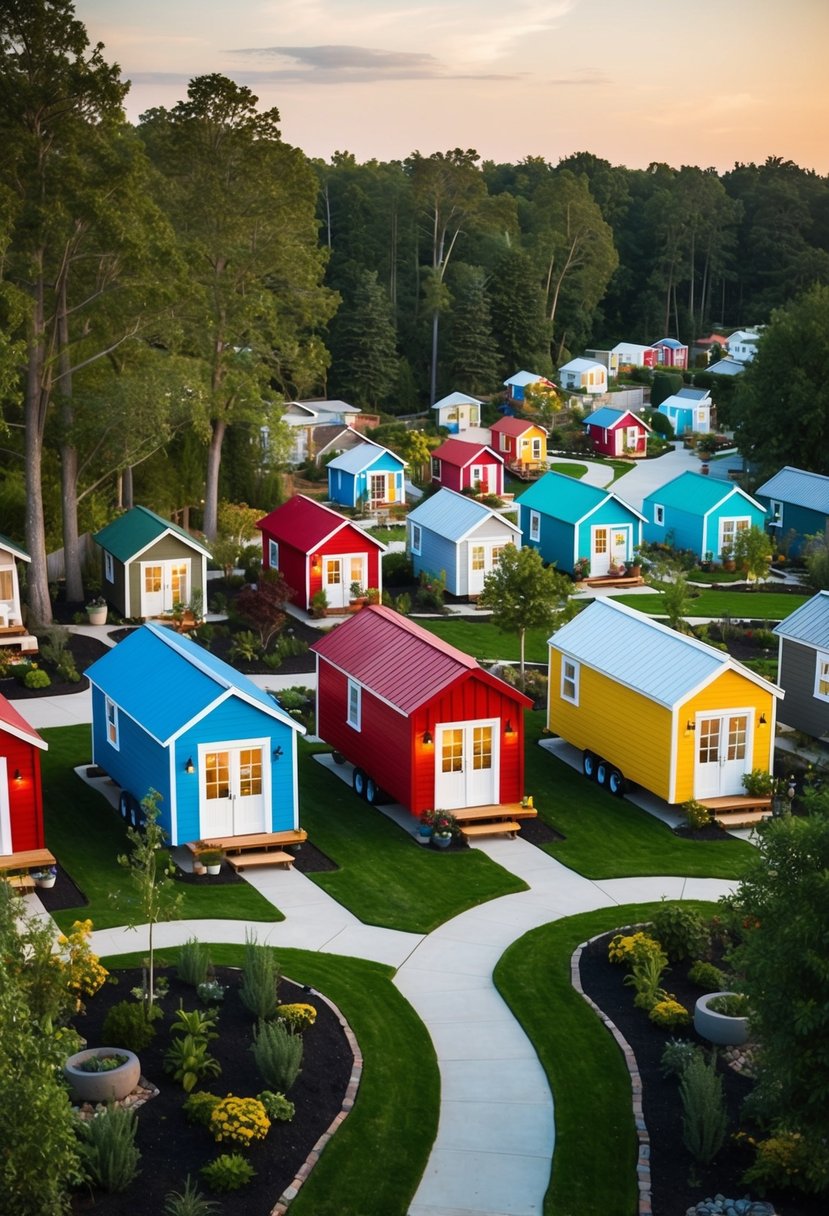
column 455, row 399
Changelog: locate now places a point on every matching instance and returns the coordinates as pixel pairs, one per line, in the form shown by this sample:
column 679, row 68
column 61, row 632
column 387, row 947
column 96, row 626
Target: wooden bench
column 276, row 857
column 255, row 841
column 29, row 859
column 495, row 828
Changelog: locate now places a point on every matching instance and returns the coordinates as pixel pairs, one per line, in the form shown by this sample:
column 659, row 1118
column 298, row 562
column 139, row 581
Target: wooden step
column 507, row 826
column 741, row 819
column 275, row 857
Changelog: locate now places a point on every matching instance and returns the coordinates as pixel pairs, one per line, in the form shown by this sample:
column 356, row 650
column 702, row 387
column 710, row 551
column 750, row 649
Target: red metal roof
column 17, row 725
column 461, row 452
column 398, row 660
column 515, row 426
column 305, row 523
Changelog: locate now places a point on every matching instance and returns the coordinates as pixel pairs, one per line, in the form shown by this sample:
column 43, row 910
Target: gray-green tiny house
column 803, row 667
column 148, row 564
column 797, row 503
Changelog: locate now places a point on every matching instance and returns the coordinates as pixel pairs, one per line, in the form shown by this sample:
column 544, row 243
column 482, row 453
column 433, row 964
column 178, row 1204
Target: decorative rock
column 720, row 1206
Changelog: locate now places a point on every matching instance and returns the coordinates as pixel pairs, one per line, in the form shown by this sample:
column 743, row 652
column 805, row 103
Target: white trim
column 534, row 531
column 354, row 710
column 416, row 544
column 113, row 721
column 5, row 811
column 658, row 515
column 185, row 540
column 572, row 677
column 264, row 742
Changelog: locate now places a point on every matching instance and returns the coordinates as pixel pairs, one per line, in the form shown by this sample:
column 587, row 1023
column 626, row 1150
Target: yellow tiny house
column 653, row 707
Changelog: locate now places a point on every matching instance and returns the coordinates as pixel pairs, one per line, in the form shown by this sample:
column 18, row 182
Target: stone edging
column 643, row 1164
column 292, row 1190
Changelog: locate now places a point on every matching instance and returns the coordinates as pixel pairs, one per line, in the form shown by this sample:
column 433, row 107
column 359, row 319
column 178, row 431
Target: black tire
column 136, row 817
column 602, row 773
column 358, row 782
column 372, row 791
column 588, row 765
column 616, row 783
column 124, row 808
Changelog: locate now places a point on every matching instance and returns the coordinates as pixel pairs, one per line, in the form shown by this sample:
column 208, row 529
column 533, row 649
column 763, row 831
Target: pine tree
column 365, row 341
column 473, row 354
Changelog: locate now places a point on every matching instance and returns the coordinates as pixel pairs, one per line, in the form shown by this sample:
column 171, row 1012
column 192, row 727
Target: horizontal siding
column 439, row 555
column 292, row 568
column 729, row 691
column 138, row 764
column 801, row 709
column 616, row 723
column 685, row 526
column 25, row 795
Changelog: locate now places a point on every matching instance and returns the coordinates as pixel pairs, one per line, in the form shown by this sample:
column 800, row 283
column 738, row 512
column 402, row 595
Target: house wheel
column 124, row 808
column 616, row 783
column 588, row 765
column 358, row 781
column 372, row 791
column 136, row 812
column 602, row 772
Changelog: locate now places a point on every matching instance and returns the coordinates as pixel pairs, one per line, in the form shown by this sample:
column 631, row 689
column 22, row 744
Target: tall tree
column 525, row 594
column 518, row 314
column 473, row 354
column 363, row 341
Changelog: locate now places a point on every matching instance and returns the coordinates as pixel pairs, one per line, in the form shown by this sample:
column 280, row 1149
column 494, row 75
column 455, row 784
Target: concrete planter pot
column 103, row 1087
column 719, row 1028
column 97, row 615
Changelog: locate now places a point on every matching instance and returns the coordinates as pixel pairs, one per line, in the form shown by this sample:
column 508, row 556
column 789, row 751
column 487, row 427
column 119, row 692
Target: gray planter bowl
column 103, row 1087
column 718, row 1027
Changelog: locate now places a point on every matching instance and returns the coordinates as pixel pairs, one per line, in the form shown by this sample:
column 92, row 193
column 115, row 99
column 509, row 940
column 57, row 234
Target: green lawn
column 607, row 837
column 747, row 605
column 385, row 878
column 594, row 1164
column 389, row 533
column 484, row 641
column 569, row 470
column 394, row 1119
column 86, row 835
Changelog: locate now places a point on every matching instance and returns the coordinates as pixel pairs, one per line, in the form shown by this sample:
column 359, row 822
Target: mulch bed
column 671, row 1163
column 171, row 1148
column 85, row 651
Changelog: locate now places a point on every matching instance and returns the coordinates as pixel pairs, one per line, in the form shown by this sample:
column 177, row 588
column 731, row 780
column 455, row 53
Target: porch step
column 741, row 819
column 739, row 810
column 505, row 826
column 243, row 861
column 607, row 580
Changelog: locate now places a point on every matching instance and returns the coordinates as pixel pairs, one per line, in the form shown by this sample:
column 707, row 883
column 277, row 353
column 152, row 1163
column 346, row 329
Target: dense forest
column 166, row 286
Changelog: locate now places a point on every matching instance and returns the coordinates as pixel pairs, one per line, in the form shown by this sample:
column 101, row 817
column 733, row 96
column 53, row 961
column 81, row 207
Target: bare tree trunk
column 36, row 404
column 211, row 485
column 127, row 491
column 68, row 459
column 434, row 375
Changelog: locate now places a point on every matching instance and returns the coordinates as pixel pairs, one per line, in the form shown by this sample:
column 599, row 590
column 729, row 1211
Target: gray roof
column 809, row 623
column 726, row 367
column 633, row 649
column 455, row 399
column 801, row 489
column 693, row 394
column 454, row 516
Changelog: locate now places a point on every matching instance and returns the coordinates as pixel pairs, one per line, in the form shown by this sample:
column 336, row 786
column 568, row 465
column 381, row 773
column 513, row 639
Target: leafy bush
column 130, row 1025
column 108, row 1152
column 277, row 1106
column 397, row 569
column 680, row 931
column 54, row 645
column 706, row 976
column 103, row 1063
column 430, row 592
column 67, row 671
column 193, row 962
column 758, row 783
column 199, row 1106
column 297, row 1017
column 229, row 1172
column 239, row 1120
column 704, row 1118
column 188, row 1061
column 245, row 647
column 625, row 948
column 677, row 1054
column 199, row 1023
column 789, row 1160
column 730, row 1005
column 211, row 992
column 403, row 603
column 36, row 677
column 319, row 604
column 645, row 977
column 668, row 1013
column 278, row 1055
column 189, row 1202
column 260, row 982
column 696, row 815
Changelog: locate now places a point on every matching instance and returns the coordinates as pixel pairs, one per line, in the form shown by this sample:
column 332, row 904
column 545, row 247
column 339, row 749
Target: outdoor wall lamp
column 189, row 767
column 508, row 728
column 689, row 725
column 762, row 719
column 427, row 738
column 18, row 776
column 277, row 752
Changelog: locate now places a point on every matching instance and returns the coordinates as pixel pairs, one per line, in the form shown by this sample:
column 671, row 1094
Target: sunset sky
column 635, row 81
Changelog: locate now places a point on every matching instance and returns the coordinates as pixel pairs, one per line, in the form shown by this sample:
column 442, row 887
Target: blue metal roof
column 809, row 623
column 605, row 417
column 801, row 489
column 163, row 681
column 565, row 498
column 643, row 654
column 453, row 515
column 693, row 394
column 355, row 460
column 696, row 493
column 671, row 342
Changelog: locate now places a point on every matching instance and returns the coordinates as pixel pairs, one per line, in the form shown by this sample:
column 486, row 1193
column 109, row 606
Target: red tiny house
column 460, row 465
column 21, row 794
column 420, row 719
column 617, row 432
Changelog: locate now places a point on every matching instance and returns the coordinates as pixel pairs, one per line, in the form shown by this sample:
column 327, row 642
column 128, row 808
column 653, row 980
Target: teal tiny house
column 797, row 503
column 567, row 520
column 699, row 513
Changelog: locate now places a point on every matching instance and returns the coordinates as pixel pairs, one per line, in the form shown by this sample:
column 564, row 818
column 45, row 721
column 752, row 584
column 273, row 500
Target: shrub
column 697, row 816
column 706, row 976
column 644, row 977
column 229, row 1172
column 193, row 962
column 188, row 1061
column 199, row 1107
column 704, row 1117
column 277, row 1106
column 67, row 671
column 677, row 1054
column 189, row 1202
column 245, row 647
column 668, row 1012
column 397, row 569
column 624, row 948
column 37, row 678
column 758, row 783
column 130, row 1025
column 430, row 591
column 298, row 1017
column 211, row 992
column 278, row 1055
column 681, row 931
column 789, row 1159
column 239, row 1120
column 199, row 1023
column 108, row 1152
column 260, row 982
column 403, row 603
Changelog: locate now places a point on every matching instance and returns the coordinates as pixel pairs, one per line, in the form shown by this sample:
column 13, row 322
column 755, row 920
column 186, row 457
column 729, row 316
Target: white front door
column 5, row 814
column 608, row 547
column 466, row 764
column 338, row 574
column 163, row 584
column 483, row 558
column 232, row 785
column 723, row 754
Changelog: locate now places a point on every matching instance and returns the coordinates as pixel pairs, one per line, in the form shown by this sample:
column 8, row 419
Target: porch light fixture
column 762, row 719
column 427, row 738
column 316, row 561
column 277, row 752
column 189, row 767
column 18, row 776
column 689, row 725
column 508, row 728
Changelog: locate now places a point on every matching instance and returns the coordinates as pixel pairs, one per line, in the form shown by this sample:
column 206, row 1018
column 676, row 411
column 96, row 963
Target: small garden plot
column 56, row 670
column 759, row 605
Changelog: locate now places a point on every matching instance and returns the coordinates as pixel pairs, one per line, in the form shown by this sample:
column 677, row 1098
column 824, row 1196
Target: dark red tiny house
column 317, row 549
column 21, row 794
column 418, row 718
column 460, row 465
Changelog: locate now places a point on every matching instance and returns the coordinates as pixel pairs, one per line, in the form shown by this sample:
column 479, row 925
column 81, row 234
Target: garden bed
column 85, row 651
column 171, row 1148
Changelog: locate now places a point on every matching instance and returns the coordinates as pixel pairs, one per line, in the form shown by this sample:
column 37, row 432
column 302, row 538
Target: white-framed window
column 436, row 467
column 659, row 515
column 416, row 539
column 355, row 705
column 109, row 568
column 776, row 513
column 273, row 554
column 478, row 561
column 504, row 439
column 570, row 681
column 497, row 551
column 729, row 529
column 535, row 525
column 535, row 448
column 822, row 676
column 111, row 710
column 477, row 475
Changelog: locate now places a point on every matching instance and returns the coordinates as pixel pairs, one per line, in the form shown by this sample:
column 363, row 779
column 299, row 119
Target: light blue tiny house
column 566, row 520
column 797, row 503
column 699, row 513
column 367, row 476
column 167, row 715
column 688, row 410
column 456, row 535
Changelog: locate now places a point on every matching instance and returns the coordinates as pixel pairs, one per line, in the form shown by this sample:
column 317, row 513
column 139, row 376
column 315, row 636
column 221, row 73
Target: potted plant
column 96, row 611
column 707, row 561
column 444, row 829
column 358, row 595
column 45, row 876
column 722, row 1018
column 427, row 827
column 211, row 859
column 581, row 569
column 102, row 1074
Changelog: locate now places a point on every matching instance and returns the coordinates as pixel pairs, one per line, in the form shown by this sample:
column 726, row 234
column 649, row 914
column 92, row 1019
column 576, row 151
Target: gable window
column 109, row 568
column 535, row 525
column 659, row 515
column 416, row 537
column 112, row 722
column 822, row 676
column 570, row 681
column 273, row 554
column 355, row 704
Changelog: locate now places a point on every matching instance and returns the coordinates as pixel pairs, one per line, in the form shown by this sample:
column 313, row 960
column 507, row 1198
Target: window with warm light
column 482, row 747
column 452, row 751
column 822, row 676
column 478, row 557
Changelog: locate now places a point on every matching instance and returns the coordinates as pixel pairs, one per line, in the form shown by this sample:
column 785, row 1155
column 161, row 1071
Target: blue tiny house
column 458, row 536
column 367, row 476
column 798, row 505
column 566, row 520
column 167, row 715
column 699, row 513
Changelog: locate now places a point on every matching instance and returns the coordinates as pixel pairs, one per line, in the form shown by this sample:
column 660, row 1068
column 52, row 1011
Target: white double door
column 163, row 584
column 466, row 764
column 483, row 558
column 233, row 789
column 723, row 754
column 339, row 571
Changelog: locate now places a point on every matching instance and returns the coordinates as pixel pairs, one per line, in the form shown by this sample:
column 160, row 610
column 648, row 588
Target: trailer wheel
column 358, row 781
column 616, row 783
column 124, row 808
column 136, row 812
column 588, row 765
column 372, row 791
column 602, row 772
